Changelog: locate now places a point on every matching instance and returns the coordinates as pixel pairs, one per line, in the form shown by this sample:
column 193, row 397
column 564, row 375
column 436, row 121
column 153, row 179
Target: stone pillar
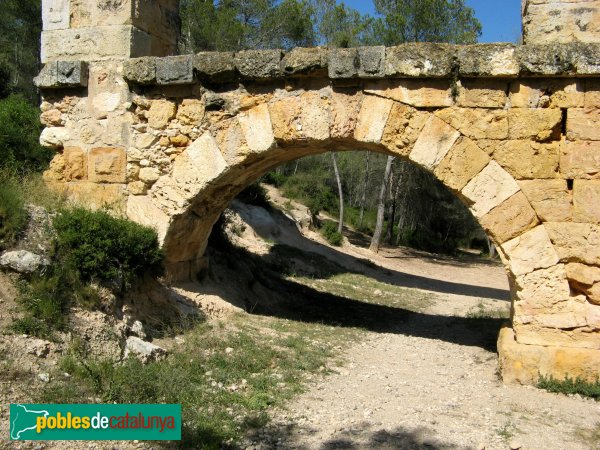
column 95, row 30
column 560, row 21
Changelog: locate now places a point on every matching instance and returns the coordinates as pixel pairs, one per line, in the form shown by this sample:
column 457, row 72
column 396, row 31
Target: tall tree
column 375, row 241
column 363, row 199
column 340, row 193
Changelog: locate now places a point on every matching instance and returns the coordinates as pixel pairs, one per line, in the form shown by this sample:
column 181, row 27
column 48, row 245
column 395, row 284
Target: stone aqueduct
column 513, row 131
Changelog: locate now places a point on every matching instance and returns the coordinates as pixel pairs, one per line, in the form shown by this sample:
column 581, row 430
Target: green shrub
column 104, row 248
column 274, row 179
column 13, row 215
column 330, row 232
column 19, row 135
column 570, row 386
column 256, row 195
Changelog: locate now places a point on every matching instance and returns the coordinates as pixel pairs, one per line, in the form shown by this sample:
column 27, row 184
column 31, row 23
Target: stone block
column 530, row 251
column 580, row 159
column 415, row 92
column 482, row 93
column 345, row 107
column 75, row 164
column 257, row 128
column 316, row 116
column 434, row 142
column 420, row 60
column 461, row 164
column 161, row 113
column 55, row 14
column 58, row 74
column 547, row 93
column 586, row 201
column 373, row 116
column 488, row 60
column 583, row 124
column 285, row 117
column 215, row 66
column 342, row 63
column 140, row 70
column 509, row 219
column 173, row 70
column 477, row 123
column 550, row 199
column 576, row 241
column 140, row 209
column 540, row 291
column 191, row 112
column 539, row 124
column 492, row 186
column 304, row 61
column 95, row 195
column 259, row 64
column 592, row 93
column 371, row 62
column 107, row 165
column 54, row 137
column 558, row 59
column 52, row 118
column 403, row 128
column 528, row 159
column 583, row 274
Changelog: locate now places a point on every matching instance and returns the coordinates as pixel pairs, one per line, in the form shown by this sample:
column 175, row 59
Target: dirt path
column 407, row 389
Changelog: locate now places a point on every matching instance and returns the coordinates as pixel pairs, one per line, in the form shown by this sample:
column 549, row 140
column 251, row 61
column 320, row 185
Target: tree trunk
column 375, row 241
column 340, row 193
column 491, row 247
column 363, row 200
column 392, row 213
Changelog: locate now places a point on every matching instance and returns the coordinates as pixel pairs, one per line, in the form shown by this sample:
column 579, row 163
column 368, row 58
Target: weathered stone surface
column 141, row 210
column 160, row 113
column 304, row 61
column 175, row 70
column 420, row 60
column 528, row 159
column 372, row 118
column 403, row 128
column 488, row 60
column 482, row 93
column 592, row 93
column 285, row 117
column 95, row 196
column 72, row 73
column 576, row 242
column 55, row 15
column 342, row 63
column 585, row 280
column 558, row 59
column 75, row 164
column 539, row 124
column 521, row 363
column 580, row 159
column 547, row 93
column 191, row 112
column 22, row 261
column 140, row 70
column 550, row 199
column 258, row 64
column 52, row 118
column 345, row 107
column 215, row 66
column 434, row 142
column 179, row 140
column 561, row 21
column 145, row 351
column 540, row 291
column 257, row 129
column 533, row 242
column 477, row 123
column 149, row 175
column 583, row 124
column 316, row 115
column 492, row 186
column 418, row 93
column 510, row 219
column 586, row 204
column 461, row 164
column 107, row 165
column 371, row 62
column 54, row 137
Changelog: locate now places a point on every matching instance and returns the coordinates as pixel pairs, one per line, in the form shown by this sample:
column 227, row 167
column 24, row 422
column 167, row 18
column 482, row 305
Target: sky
column 500, row 19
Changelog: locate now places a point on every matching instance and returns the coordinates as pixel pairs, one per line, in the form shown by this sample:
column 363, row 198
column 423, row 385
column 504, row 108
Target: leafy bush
column 13, row 215
column 274, row 179
column 571, row 386
column 104, row 248
column 256, row 195
column 330, row 232
column 19, row 135
column 312, row 190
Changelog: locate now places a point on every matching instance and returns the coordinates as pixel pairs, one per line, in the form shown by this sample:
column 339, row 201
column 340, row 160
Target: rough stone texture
column 547, row 93
column 371, row 62
column 488, row 60
column 580, row 159
column 141, row 210
column 477, row 123
column 482, row 93
column 316, row 116
column 417, row 93
column 257, row 129
column 75, row 164
column 107, row 165
column 539, row 291
column 258, row 64
column 583, row 124
column 215, row 66
column 304, row 61
column 586, row 207
column 492, row 186
column 54, row 137
column 556, row 59
column 576, row 242
column 345, row 107
column 510, row 219
column 528, row 159
column 419, row 59
column 533, row 242
column 435, row 141
column 145, row 351
column 160, row 113
column 539, row 124
column 191, row 112
column 585, row 280
column 175, row 70
column 372, row 118
column 22, row 261
column 550, row 199
column 140, row 70
column 461, row 164
column 403, row 128
column 342, row 63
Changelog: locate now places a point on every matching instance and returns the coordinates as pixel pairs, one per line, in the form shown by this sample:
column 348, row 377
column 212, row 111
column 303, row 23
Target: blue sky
column 500, row 19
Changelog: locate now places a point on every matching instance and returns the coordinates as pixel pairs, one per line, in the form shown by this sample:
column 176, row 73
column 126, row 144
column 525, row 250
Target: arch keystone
column 372, row 118
column 257, row 128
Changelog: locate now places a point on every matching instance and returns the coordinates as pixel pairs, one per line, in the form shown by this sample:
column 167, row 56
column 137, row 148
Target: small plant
column 570, row 386
column 274, row 179
column 330, row 232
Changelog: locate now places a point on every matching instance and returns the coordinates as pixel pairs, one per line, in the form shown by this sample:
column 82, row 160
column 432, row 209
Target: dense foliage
column 13, row 215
